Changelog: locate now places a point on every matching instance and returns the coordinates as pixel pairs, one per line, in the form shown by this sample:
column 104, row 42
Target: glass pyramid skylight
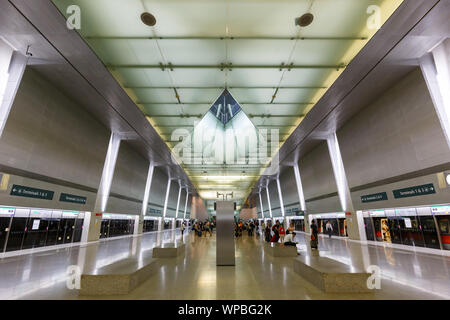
column 225, row 107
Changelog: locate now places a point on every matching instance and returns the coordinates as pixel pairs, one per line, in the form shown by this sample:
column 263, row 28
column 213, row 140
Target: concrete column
column 185, row 205
column 105, row 187
column 178, row 201
column 435, row 68
column 261, row 204
column 301, row 195
column 280, row 195
column 343, row 188
column 148, row 185
column 268, row 199
column 166, row 201
column 10, row 79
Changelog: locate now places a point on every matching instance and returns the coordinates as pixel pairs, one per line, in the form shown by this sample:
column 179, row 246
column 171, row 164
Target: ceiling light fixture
column 148, row 19
column 305, row 20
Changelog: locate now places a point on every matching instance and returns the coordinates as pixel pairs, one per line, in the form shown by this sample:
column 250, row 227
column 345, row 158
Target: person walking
column 314, row 235
column 267, row 233
column 208, row 228
column 329, row 228
column 182, row 230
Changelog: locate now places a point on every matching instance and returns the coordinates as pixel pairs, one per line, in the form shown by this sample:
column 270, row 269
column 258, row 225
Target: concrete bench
column 277, row 250
column 169, row 250
column 119, row 278
column 331, row 276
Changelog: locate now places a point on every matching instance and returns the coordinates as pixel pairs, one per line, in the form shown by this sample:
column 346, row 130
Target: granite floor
column 405, row 274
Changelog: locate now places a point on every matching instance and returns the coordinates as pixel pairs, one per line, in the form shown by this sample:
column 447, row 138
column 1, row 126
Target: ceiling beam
column 223, row 66
column 223, row 88
column 211, row 103
column 200, row 115
column 191, row 125
column 345, row 38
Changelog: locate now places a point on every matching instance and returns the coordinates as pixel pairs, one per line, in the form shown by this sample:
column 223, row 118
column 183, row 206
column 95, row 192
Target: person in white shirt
column 329, row 228
column 289, row 239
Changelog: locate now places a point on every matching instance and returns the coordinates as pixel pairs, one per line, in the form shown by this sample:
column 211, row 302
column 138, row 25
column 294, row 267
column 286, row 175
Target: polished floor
column 405, row 274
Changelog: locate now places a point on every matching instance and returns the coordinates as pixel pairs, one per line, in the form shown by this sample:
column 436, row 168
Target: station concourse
column 144, row 144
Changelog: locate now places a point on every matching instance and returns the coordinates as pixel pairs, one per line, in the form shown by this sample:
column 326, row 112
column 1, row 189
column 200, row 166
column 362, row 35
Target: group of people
column 250, row 226
column 205, row 227
column 280, row 234
column 275, row 233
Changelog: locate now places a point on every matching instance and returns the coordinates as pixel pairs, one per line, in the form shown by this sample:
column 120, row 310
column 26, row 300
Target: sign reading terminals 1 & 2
column 29, row 192
column 414, row 191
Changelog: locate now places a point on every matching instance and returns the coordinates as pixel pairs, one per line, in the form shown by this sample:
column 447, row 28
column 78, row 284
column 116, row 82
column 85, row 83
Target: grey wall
column 48, row 134
column 397, row 134
column 173, row 197
column 52, row 143
column 318, row 179
column 158, row 189
column 288, row 186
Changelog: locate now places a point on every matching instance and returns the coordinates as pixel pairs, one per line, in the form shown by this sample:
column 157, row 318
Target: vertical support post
column 185, row 205
column 178, row 205
column 301, row 195
column 179, row 197
column 268, row 199
column 11, row 82
column 166, row 201
column 435, row 68
column 104, row 189
column 261, row 204
column 343, row 188
column 280, row 195
column 148, row 185
column 225, row 247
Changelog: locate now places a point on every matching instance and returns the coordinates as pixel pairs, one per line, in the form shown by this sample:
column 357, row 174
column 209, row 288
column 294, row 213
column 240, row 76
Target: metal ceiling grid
column 275, row 70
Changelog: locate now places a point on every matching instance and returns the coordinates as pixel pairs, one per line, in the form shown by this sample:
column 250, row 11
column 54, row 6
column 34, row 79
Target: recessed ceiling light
column 148, row 19
column 305, row 20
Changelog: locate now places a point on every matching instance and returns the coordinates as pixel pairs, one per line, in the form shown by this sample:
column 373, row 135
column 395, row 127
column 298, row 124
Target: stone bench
column 119, row 278
column 169, row 250
column 330, row 275
column 278, row 250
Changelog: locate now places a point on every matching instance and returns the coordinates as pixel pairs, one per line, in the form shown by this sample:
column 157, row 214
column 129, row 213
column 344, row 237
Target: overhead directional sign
column 29, row 192
column 65, row 197
column 374, row 197
column 414, row 191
